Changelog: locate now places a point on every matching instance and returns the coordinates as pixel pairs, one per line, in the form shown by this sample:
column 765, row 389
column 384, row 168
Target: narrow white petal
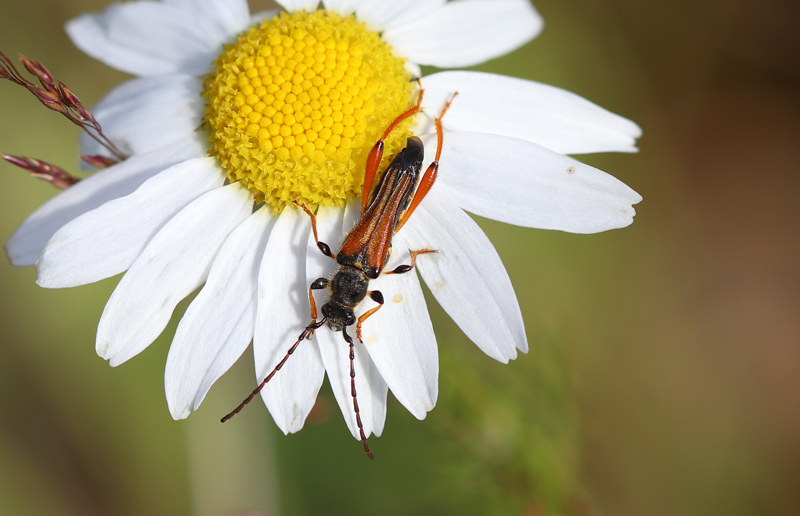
column 467, row 277
column 145, row 114
column 370, row 387
column 466, row 32
column 380, row 15
column 218, row 325
column 552, row 117
column 259, row 17
column 292, row 6
column 522, row 183
column 352, row 214
column 371, row 390
column 174, row 263
column 399, row 337
column 119, row 180
column 105, row 241
column 283, row 313
column 229, row 18
column 342, row 7
column 149, row 38
column 413, row 69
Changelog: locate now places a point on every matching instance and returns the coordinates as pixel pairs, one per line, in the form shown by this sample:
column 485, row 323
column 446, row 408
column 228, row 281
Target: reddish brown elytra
column 367, row 247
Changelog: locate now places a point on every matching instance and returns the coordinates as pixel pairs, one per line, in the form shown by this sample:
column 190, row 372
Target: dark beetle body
column 367, row 247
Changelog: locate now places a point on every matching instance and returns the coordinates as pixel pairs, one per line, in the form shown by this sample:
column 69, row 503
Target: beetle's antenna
column 307, row 333
column 353, row 392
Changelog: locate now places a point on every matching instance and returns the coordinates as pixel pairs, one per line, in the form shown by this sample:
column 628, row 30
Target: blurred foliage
column 662, row 377
column 515, row 430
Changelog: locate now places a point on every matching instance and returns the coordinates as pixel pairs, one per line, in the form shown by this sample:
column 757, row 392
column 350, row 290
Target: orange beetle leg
column 432, row 172
column 376, row 154
column 323, row 247
column 402, row 269
column 378, row 298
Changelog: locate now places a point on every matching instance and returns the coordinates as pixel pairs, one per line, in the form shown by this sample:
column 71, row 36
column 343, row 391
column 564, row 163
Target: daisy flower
column 233, row 118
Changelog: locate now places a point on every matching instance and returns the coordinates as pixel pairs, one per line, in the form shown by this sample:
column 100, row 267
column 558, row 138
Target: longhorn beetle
column 367, row 247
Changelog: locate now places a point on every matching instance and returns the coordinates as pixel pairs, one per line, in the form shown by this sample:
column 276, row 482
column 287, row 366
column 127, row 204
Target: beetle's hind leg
column 376, row 154
column 432, row 172
column 377, row 296
column 402, row 269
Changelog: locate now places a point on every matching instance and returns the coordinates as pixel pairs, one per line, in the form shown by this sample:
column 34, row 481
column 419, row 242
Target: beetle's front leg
column 325, row 248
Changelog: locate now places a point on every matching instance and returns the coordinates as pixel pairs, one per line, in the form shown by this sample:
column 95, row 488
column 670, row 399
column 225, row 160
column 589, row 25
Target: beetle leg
column 402, row 269
column 376, row 296
column 318, row 284
column 325, row 248
column 376, row 154
column 429, row 177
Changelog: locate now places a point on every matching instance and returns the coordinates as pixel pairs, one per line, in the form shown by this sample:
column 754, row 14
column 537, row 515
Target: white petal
column 467, row 277
column 413, row 69
column 283, row 313
column 552, row 117
column 174, row 263
column 146, row 114
column 292, row 6
column 466, row 32
column 149, row 38
column 229, row 17
column 519, row 182
column 399, row 337
column 259, row 17
column 119, row 180
column 105, row 241
column 218, row 325
column 341, row 7
column 370, row 388
column 380, row 15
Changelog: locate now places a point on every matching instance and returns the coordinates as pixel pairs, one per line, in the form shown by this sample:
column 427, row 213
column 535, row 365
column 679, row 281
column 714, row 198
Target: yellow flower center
column 295, row 105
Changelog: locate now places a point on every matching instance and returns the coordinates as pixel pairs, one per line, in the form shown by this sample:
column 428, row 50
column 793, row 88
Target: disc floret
column 295, row 105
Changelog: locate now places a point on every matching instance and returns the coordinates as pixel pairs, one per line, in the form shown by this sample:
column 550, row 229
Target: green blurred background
column 664, row 375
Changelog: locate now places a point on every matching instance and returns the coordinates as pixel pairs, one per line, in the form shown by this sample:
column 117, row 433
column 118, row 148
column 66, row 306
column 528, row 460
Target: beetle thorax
column 349, row 286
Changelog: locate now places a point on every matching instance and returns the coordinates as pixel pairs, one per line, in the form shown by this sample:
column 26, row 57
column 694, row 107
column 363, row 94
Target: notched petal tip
column 101, row 348
column 550, row 191
column 546, row 115
column 178, row 412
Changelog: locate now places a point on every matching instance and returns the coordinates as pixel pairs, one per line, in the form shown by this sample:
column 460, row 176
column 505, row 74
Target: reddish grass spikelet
column 56, row 96
column 38, row 69
column 54, row 175
column 49, row 99
column 68, row 97
column 99, row 161
column 78, row 109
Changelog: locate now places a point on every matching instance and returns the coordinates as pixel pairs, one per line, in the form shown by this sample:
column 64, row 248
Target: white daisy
column 295, row 102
